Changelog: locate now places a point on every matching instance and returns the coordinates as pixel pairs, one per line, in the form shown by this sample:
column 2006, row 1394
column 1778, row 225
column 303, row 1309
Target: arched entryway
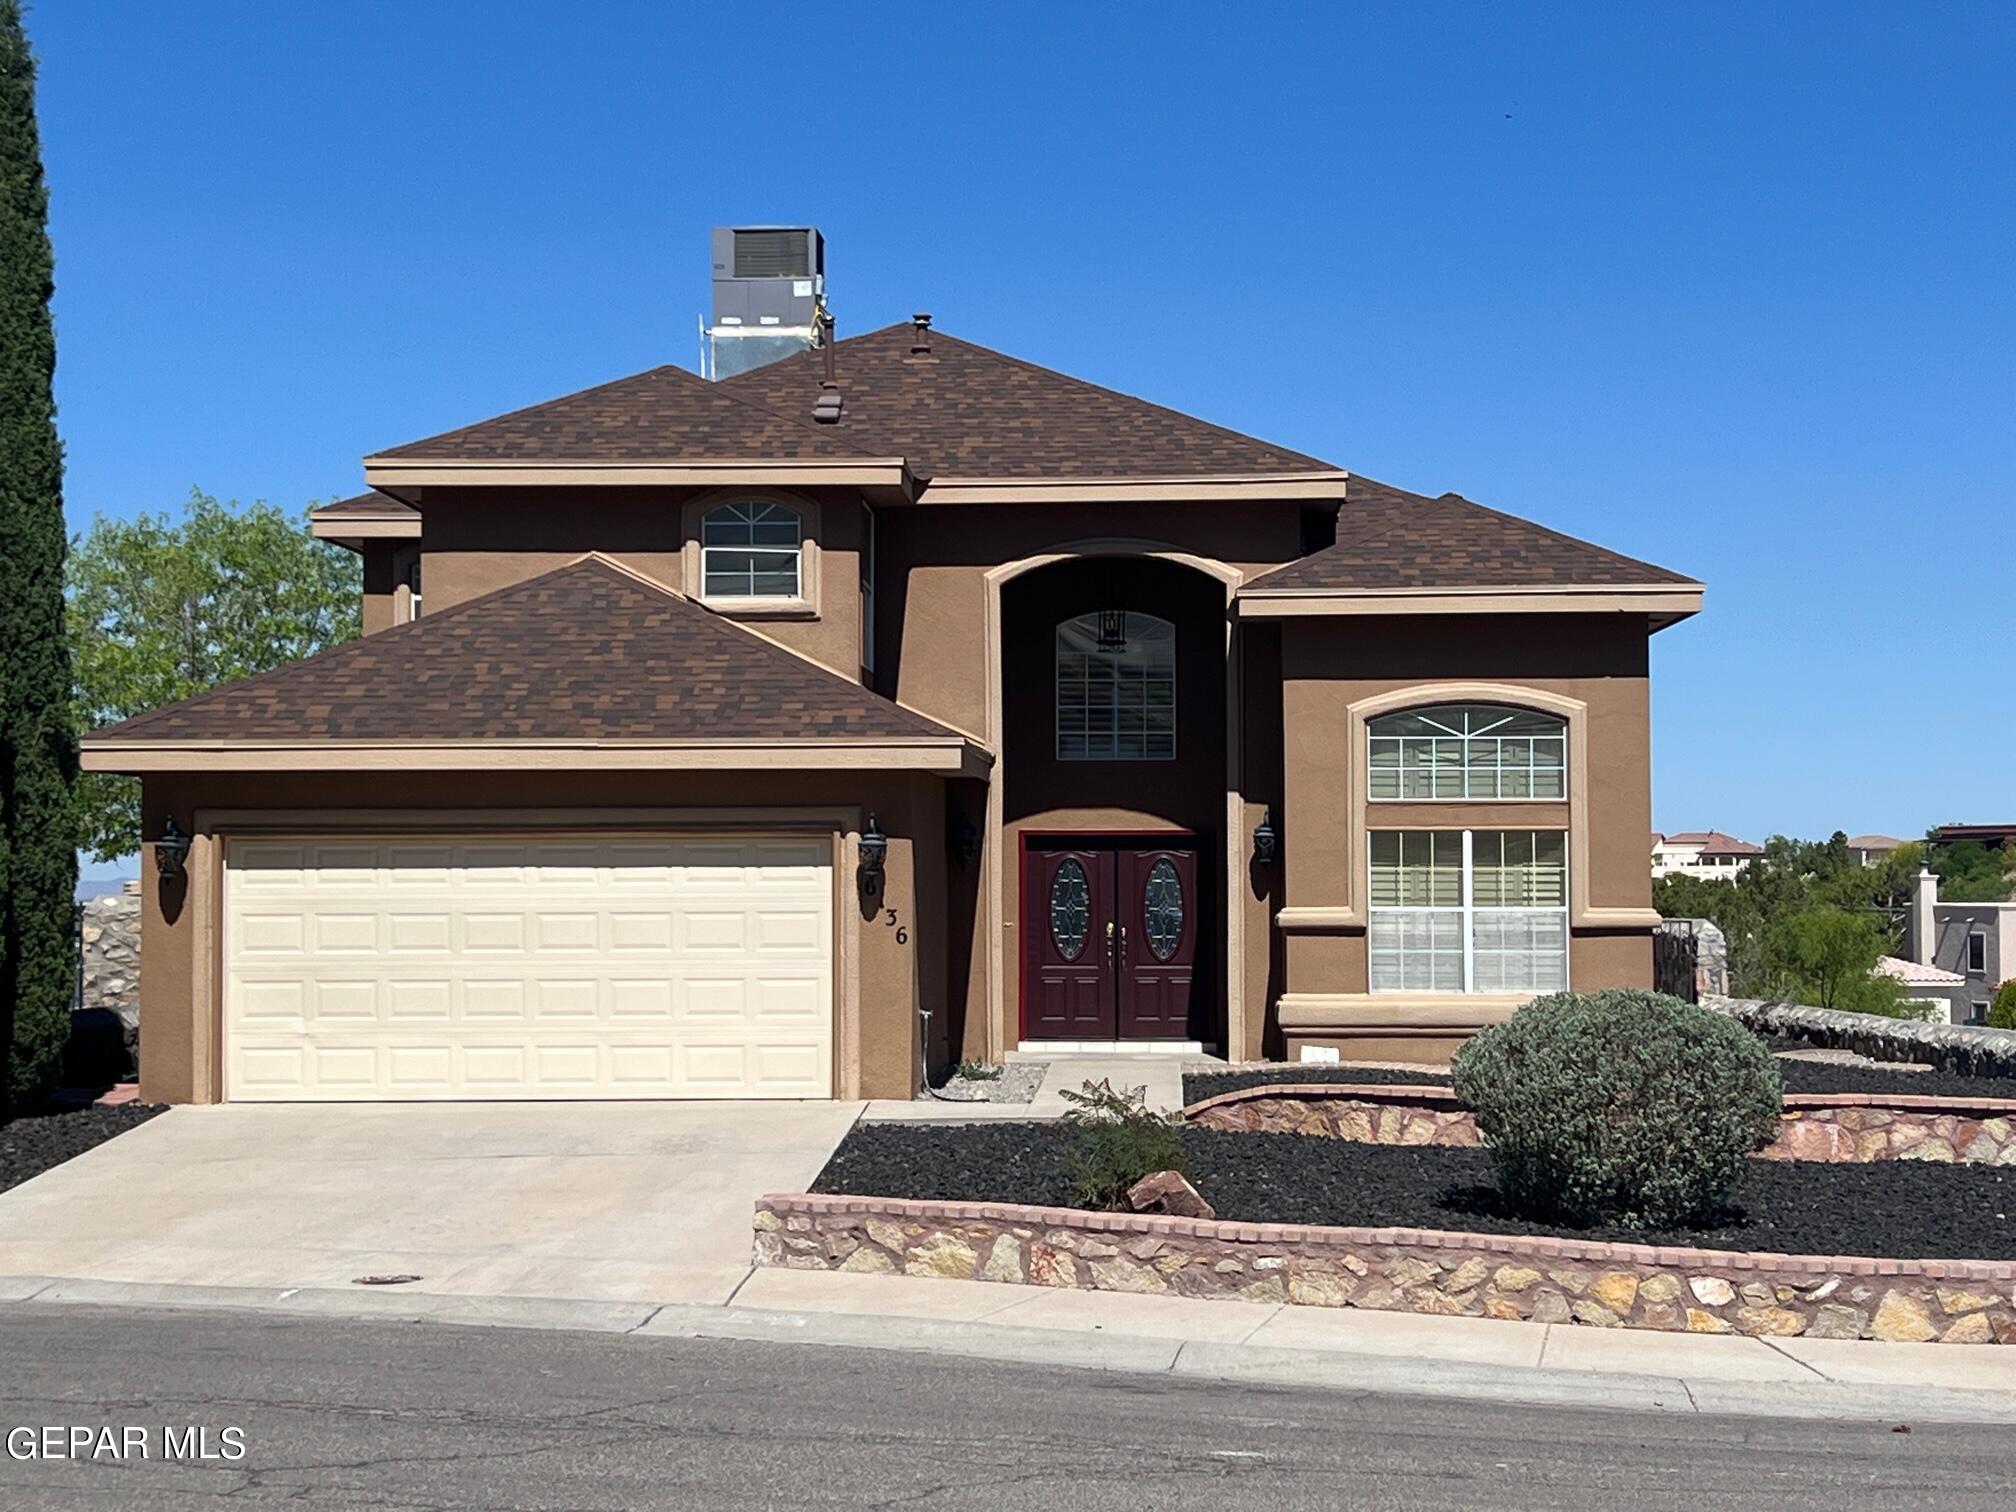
column 1112, row 800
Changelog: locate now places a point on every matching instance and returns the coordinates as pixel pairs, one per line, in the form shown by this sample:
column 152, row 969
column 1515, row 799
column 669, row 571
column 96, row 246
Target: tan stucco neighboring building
column 702, row 745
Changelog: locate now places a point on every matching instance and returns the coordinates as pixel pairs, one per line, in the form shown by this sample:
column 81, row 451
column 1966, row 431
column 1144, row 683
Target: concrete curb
column 1118, row 1351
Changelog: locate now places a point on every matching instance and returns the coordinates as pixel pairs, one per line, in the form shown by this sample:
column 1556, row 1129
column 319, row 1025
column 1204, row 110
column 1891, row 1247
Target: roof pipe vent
column 826, row 408
column 920, row 334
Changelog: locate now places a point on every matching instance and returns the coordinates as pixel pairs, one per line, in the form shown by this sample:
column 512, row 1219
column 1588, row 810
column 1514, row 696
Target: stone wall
column 1832, row 1127
column 110, row 979
column 1398, row 1270
column 1967, row 1048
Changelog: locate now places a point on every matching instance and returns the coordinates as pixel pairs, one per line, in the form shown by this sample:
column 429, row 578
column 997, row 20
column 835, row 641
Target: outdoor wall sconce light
column 963, row 841
column 171, row 851
column 1264, row 838
column 874, row 851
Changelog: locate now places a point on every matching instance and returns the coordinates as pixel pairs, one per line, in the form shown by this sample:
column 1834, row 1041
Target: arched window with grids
column 1469, row 750
column 751, row 549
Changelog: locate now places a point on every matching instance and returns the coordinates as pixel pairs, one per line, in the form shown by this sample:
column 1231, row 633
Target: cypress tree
column 38, row 749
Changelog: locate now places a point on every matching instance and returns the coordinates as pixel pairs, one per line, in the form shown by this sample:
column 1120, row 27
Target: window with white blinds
column 1468, row 910
column 1467, row 751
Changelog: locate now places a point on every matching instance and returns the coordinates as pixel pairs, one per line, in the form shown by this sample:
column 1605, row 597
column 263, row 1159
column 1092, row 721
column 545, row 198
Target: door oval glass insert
column 1162, row 906
column 1070, row 909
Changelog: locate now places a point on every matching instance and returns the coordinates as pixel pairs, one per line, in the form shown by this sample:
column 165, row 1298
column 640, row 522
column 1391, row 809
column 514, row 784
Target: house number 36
column 890, row 920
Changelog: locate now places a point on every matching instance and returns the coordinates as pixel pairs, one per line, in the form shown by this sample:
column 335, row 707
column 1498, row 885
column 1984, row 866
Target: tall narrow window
column 1977, row 950
column 1468, row 911
column 750, row 550
column 1468, row 751
column 867, row 589
column 1116, row 687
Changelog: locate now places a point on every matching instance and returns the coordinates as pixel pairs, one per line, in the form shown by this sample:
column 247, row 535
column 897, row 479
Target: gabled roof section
column 1409, row 549
column 586, row 657
column 664, row 414
column 369, row 504
column 966, row 411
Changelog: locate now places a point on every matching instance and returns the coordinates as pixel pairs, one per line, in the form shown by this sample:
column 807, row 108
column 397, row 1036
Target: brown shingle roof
column 370, row 503
column 966, row 412
column 1389, row 538
column 585, row 652
column 971, row 412
column 664, row 414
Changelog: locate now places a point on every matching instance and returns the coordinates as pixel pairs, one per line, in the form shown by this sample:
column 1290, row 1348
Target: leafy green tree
column 2002, row 1012
column 161, row 609
column 1827, row 957
column 1969, row 872
column 38, row 753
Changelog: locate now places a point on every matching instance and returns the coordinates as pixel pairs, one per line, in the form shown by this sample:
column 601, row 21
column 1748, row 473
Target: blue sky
column 1727, row 288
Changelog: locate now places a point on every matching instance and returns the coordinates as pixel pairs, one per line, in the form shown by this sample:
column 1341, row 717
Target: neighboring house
column 1708, row 854
column 1942, row 993
column 1974, row 942
column 1991, row 836
column 799, row 733
column 1873, row 850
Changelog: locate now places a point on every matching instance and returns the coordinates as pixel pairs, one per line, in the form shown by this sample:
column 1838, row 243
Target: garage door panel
column 629, row 966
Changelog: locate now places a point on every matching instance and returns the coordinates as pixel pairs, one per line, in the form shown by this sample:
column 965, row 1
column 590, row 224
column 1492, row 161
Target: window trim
column 1976, row 936
column 803, row 606
column 1056, row 703
column 1567, row 759
column 1467, row 910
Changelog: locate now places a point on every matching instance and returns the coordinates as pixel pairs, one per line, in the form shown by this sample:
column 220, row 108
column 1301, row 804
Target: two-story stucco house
column 793, row 734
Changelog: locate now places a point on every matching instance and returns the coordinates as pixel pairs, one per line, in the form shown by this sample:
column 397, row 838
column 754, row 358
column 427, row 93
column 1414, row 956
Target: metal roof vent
column 826, row 408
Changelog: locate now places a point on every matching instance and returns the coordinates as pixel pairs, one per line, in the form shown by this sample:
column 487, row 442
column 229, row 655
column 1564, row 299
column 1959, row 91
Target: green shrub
column 1619, row 1107
column 972, row 1070
column 2002, row 1012
column 1118, row 1141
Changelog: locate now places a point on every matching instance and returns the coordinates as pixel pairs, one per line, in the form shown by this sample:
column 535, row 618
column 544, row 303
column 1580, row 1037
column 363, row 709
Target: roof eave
column 890, row 476
column 1164, row 489
column 1663, row 603
column 137, row 755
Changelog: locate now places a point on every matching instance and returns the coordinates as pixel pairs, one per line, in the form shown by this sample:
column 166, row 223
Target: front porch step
column 1052, row 1049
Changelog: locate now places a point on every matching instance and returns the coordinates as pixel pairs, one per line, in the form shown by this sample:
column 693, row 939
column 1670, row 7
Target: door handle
column 1123, row 944
column 1111, row 954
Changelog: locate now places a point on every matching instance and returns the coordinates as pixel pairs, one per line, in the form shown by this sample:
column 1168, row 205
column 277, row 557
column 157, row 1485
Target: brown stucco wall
column 478, row 540
column 896, row 978
column 1328, row 664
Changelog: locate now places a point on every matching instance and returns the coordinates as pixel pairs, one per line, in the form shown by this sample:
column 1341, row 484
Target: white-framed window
column 413, row 590
column 1116, row 687
column 1467, row 751
column 1977, row 950
column 751, row 549
column 1468, row 910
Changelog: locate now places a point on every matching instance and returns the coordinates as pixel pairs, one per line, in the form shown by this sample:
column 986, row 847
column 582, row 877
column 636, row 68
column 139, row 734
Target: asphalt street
column 353, row 1414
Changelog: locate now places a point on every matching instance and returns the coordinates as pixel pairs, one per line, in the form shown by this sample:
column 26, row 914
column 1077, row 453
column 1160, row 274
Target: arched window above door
column 1116, row 687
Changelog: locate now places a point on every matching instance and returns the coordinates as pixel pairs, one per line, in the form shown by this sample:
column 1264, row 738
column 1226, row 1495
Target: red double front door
column 1110, row 940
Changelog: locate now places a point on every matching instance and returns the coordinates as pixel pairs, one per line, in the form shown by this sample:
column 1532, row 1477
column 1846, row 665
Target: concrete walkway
column 1161, row 1075
column 1265, row 1344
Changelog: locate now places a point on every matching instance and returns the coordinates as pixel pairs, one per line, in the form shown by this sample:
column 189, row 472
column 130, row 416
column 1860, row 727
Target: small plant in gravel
column 972, row 1070
column 1619, row 1107
column 1117, row 1140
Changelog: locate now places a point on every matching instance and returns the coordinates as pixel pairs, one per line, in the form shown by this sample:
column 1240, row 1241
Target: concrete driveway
column 617, row 1201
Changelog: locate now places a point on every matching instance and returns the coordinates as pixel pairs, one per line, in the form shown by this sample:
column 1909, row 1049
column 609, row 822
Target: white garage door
column 634, row 966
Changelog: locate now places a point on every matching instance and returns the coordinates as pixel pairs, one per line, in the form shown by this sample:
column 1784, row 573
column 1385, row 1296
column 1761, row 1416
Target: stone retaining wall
column 1968, row 1048
column 1398, row 1270
column 1837, row 1127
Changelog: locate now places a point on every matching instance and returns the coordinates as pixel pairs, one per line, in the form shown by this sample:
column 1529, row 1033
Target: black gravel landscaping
column 33, row 1144
column 1900, row 1208
column 1797, row 1076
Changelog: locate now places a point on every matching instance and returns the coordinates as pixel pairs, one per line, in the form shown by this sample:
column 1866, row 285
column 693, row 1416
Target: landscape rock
column 1168, row 1192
